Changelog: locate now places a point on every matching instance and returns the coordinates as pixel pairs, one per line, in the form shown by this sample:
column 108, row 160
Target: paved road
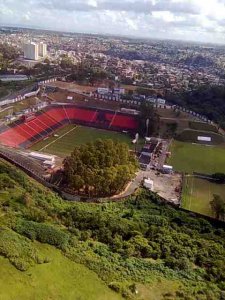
column 132, row 186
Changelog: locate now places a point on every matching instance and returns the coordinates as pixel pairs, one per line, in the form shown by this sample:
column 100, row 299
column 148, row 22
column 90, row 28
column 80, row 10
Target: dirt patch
column 78, row 99
column 168, row 186
column 73, row 86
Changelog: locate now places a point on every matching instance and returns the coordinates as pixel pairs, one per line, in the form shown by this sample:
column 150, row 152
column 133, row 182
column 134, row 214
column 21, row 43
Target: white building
column 148, row 184
column 30, row 51
column 102, row 90
column 42, row 49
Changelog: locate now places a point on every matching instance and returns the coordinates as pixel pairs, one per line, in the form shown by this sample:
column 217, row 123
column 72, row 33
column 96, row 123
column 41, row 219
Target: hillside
column 191, row 136
column 140, row 248
column 205, row 100
column 58, row 279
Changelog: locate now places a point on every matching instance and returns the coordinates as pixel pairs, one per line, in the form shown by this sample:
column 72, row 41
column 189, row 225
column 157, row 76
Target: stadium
column 34, row 127
column 54, row 120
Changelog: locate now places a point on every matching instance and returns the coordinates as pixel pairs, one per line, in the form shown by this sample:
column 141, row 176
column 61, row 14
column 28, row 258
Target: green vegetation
column 8, row 53
column 76, row 136
column 6, row 88
column 203, row 126
column 101, row 168
column 206, row 100
column 197, row 158
column 185, row 127
column 218, row 206
column 58, row 278
column 86, row 71
column 140, row 245
column 198, row 193
column 190, row 135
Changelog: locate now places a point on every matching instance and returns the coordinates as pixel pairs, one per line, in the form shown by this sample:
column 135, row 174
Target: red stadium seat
column 45, row 123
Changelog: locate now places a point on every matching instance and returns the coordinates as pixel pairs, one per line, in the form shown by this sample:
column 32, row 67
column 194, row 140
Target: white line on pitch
column 58, row 138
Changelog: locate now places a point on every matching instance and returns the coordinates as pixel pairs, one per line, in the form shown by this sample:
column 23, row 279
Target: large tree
column 101, row 168
column 218, row 206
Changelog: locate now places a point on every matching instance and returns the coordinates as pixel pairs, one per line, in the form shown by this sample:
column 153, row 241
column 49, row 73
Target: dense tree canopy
column 7, row 55
column 101, row 168
column 86, row 71
column 205, row 100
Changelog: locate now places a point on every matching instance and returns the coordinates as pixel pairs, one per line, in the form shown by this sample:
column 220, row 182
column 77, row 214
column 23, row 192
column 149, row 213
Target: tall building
column 42, row 49
column 30, row 51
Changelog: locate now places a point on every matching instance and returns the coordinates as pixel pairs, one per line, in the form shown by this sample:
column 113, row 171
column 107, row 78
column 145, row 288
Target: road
column 132, row 186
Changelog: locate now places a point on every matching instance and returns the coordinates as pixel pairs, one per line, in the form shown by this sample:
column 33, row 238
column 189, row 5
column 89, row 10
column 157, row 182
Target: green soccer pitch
column 188, row 158
column 65, row 139
column 197, row 194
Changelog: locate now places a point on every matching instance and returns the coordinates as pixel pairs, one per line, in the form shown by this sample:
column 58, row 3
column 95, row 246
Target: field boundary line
column 191, row 192
column 60, row 137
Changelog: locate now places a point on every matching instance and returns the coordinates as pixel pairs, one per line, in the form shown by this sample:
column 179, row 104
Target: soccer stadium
column 32, row 128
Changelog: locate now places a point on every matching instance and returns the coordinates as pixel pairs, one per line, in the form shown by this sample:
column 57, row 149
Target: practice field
column 189, row 158
column 71, row 136
column 197, row 194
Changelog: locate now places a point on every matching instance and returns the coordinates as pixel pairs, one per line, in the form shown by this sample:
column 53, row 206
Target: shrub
column 6, row 182
column 18, row 250
column 43, row 233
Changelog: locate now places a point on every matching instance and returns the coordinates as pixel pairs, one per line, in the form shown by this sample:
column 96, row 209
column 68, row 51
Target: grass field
column 59, row 279
column 71, row 136
column 197, row 194
column 188, row 158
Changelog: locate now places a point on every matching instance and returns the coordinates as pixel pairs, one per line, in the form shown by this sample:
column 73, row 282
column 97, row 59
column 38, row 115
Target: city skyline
column 189, row 20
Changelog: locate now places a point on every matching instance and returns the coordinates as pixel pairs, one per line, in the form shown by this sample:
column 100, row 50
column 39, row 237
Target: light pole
column 147, row 126
column 136, row 141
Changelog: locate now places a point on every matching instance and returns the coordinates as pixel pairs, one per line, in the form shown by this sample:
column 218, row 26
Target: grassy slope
column 61, row 278
column 157, row 289
column 191, row 136
column 198, row 193
column 191, row 157
column 58, row 279
column 80, row 135
column 55, row 280
column 203, row 126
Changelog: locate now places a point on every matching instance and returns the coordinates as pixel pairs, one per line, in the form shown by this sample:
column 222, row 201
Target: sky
column 192, row 20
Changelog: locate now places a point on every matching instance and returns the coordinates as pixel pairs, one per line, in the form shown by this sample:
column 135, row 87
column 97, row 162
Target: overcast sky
column 198, row 20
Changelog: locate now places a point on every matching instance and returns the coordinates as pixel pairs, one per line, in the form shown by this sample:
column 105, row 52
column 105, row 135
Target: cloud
column 187, row 19
column 137, row 6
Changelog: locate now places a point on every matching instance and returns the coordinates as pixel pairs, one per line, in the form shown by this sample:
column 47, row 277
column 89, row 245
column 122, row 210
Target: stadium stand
column 25, row 132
